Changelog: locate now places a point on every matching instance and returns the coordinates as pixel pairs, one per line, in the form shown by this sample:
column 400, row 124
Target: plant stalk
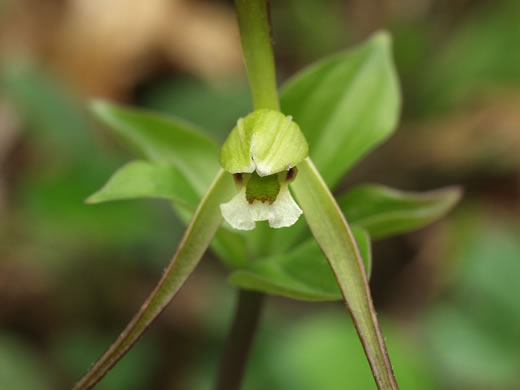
column 255, row 35
column 257, row 48
column 240, row 340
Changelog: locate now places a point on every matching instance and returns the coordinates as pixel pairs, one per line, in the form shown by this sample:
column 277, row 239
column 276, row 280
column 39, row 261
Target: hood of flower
column 265, row 141
column 262, row 151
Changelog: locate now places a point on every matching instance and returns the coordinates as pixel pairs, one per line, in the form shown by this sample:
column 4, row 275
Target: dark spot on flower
column 238, row 178
column 291, row 174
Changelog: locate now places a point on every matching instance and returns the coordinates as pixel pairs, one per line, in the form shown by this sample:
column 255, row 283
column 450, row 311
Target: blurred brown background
column 72, row 275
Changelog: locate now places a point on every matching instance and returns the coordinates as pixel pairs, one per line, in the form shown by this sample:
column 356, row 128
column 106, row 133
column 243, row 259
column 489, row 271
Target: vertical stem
column 239, row 341
column 255, row 35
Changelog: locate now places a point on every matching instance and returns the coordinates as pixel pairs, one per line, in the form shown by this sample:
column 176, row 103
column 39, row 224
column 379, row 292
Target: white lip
column 240, row 214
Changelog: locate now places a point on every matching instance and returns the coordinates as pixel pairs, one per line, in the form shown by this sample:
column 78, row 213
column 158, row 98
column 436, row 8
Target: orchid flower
column 262, row 152
column 329, row 116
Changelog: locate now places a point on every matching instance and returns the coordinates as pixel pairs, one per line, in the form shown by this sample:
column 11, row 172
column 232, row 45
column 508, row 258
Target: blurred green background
column 72, row 275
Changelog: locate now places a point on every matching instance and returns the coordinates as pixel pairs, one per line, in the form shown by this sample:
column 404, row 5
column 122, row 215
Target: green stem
column 255, row 35
column 240, row 340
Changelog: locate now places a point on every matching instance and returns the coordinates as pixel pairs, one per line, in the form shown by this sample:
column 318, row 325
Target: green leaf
column 52, row 112
column 345, row 105
column 302, row 273
column 383, row 211
column 160, row 138
column 198, row 236
column 333, row 235
column 144, row 179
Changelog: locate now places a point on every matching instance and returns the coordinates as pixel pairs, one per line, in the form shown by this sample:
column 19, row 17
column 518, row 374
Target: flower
column 262, row 152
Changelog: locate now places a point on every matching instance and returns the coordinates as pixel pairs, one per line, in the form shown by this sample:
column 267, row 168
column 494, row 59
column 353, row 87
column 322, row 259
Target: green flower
column 262, row 152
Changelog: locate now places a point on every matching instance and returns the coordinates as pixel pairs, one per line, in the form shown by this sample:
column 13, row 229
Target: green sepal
column 265, row 141
column 335, row 238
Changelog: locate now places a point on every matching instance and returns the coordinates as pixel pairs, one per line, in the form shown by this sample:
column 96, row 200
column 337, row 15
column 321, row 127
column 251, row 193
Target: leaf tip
column 99, row 107
column 453, row 195
column 92, row 199
column 382, row 38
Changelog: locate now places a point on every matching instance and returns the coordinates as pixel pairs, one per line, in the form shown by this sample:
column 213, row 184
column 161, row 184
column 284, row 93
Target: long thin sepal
column 198, row 236
column 333, row 235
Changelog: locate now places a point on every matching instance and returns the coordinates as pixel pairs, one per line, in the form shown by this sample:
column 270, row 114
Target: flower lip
column 262, row 188
column 262, row 198
column 242, row 215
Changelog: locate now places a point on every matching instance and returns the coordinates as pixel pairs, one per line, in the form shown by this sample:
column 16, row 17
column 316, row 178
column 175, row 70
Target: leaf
column 302, row 273
column 333, row 235
column 345, row 105
column 170, row 141
column 144, row 179
column 383, row 211
column 199, row 234
column 52, row 112
column 160, row 138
